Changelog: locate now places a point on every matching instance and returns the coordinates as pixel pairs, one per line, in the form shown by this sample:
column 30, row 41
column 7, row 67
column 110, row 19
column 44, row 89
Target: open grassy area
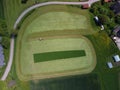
column 84, row 82
column 49, row 56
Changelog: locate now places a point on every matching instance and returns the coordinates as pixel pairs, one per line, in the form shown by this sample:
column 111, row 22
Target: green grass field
column 49, row 56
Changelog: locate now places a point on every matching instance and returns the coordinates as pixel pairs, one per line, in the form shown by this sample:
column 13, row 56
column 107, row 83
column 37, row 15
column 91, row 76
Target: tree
column 111, row 14
column 3, row 28
column 117, row 19
column 111, row 25
column 5, row 42
column 104, row 19
column 103, row 10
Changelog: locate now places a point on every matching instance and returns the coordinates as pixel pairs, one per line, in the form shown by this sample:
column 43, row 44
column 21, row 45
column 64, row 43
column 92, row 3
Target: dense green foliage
column 106, row 16
column 48, row 56
column 84, row 82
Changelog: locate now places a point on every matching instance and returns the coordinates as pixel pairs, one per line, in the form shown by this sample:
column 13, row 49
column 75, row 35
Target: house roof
column 116, row 58
column 85, row 6
column 117, row 31
column 116, row 7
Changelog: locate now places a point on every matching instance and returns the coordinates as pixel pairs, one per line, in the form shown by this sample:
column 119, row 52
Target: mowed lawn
column 58, row 21
column 77, row 65
column 48, row 56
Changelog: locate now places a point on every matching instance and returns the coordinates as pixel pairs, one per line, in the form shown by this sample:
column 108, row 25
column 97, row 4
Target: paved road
column 9, row 65
column 7, row 70
column 50, row 3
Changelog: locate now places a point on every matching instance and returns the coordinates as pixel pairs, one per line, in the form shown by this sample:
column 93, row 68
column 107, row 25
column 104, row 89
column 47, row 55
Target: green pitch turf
column 48, row 56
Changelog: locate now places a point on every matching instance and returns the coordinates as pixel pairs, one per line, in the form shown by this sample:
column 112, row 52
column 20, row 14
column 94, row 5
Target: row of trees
column 107, row 16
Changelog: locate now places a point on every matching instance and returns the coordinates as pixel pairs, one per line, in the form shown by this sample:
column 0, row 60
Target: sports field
column 60, row 51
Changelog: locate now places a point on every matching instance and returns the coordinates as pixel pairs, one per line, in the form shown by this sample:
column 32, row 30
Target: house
column 116, row 58
column 2, row 63
column 110, row 65
column 116, row 7
column 116, row 31
column 116, row 36
column 85, row 6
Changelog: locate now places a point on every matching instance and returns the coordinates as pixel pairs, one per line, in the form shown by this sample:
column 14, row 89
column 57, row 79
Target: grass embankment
column 48, row 56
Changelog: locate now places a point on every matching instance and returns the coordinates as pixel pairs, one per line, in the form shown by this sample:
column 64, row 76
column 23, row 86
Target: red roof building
column 107, row 0
column 85, row 6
